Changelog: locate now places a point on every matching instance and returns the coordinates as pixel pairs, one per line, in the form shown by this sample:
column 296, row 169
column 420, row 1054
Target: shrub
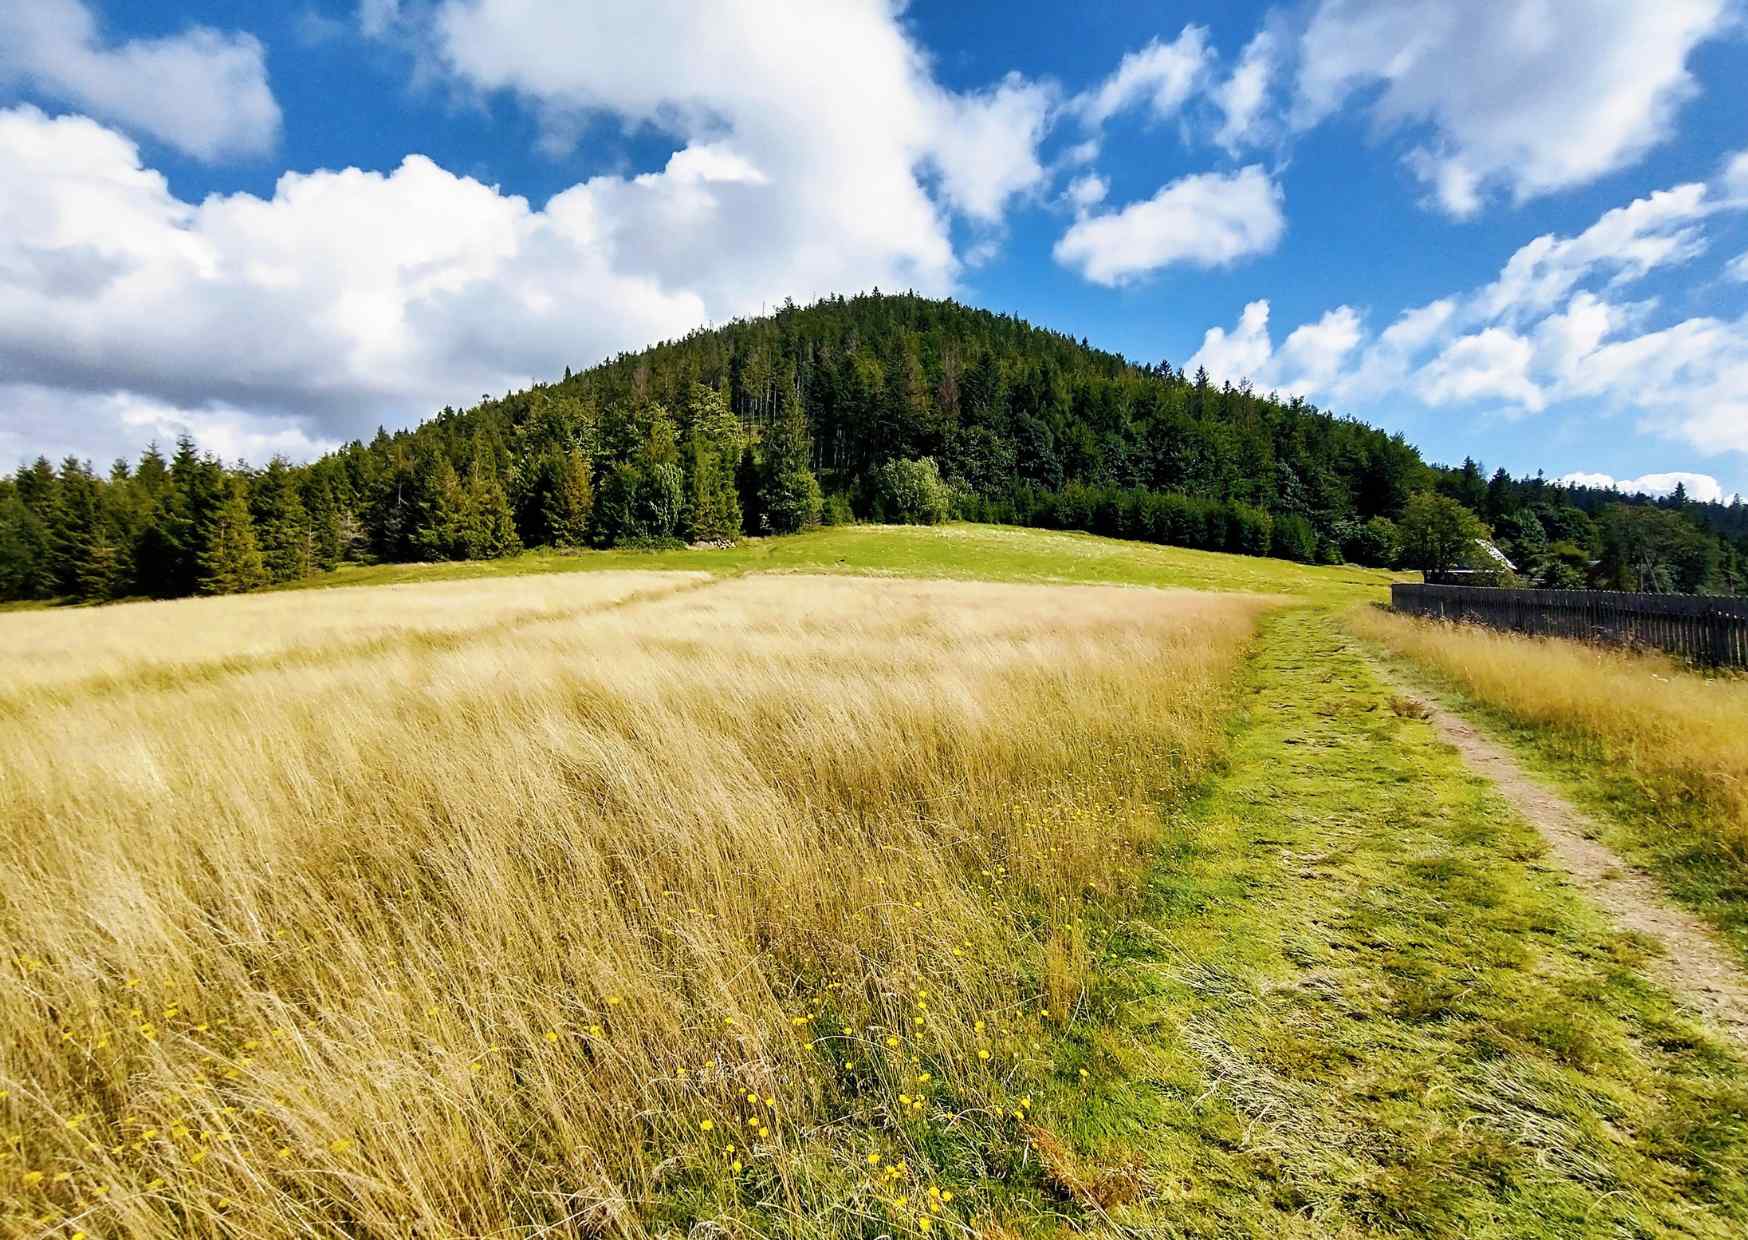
column 910, row 492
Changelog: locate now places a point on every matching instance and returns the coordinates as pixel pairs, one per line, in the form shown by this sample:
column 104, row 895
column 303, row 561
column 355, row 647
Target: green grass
column 981, row 552
column 1653, row 820
column 1357, row 1002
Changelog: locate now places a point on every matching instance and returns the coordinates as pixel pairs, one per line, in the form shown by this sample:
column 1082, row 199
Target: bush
column 836, row 510
column 911, row 493
column 1294, row 539
column 1376, row 544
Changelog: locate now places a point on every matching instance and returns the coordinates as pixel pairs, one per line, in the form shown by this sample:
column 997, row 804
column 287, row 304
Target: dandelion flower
column 707, row 1125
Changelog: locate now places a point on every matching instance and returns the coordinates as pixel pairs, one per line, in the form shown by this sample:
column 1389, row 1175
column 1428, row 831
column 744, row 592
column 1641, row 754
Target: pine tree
column 713, row 510
column 789, row 495
column 438, row 505
column 488, row 527
column 73, row 524
column 569, row 500
column 104, row 574
column 281, row 523
column 230, row 560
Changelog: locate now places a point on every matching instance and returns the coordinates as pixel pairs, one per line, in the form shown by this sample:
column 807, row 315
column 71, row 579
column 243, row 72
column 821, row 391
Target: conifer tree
column 282, row 525
column 789, row 495
column 569, row 500
column 712, row 500
column 438, row 510
column 230, row 560
column 488, row 527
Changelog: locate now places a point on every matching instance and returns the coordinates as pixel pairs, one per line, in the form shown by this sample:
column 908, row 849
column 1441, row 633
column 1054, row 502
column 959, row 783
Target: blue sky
column 1516, row 230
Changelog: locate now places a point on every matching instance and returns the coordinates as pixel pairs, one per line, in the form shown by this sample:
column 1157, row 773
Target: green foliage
column 569, row 498
column 1439, row 534
column 282, row 526
column 1295, row 538
column 1024, row 425
column 231, row 560
column 713, row 509
column 789, row 495
column 1656, row 552
column 1376, row 544
column 911, row 493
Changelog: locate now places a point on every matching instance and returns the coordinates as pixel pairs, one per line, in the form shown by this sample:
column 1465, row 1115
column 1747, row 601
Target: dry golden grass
column 52, row 651
column 1680, row 734
column 729, row 903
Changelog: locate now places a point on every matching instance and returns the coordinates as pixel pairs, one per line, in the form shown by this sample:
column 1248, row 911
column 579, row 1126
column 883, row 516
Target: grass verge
column 1656, row 752
column 1356, row 1003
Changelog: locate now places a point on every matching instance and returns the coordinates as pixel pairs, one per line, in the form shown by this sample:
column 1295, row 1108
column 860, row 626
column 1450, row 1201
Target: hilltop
column 884, row 407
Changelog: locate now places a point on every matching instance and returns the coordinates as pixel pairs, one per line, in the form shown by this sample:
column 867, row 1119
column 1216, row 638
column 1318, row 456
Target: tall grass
column 1664, row 747
column 758, row 901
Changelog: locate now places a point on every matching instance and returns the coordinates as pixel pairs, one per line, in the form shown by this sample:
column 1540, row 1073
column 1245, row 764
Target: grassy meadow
column 965, row 882
column 1660, row 751
column 958, row 551
column 569, row 905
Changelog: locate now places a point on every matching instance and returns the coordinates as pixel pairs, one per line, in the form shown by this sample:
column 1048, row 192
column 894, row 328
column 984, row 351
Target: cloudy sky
column 1517, row 229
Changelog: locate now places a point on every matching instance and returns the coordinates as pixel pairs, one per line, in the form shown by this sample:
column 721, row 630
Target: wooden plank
column 1711, row 630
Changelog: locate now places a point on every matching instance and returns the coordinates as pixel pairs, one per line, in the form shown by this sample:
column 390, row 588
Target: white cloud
column 203, row 92
column 1162, row 75
column 345, row 299
column 1243, row 96
column 1702, row 488
column 1086, row 192
column 1734, row 177
column 987, row 146
column 1529, row 95
column 1552, row 328
column 1244, row 353
column 1312, row 356
column 833, row 103
column 1492, row 364
column 1737, row 268
column 816, row 153
column 1206, row 220
column 1660, row 230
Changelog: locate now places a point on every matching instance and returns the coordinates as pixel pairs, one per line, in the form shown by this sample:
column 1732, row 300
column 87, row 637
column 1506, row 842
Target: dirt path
column 1693, row 966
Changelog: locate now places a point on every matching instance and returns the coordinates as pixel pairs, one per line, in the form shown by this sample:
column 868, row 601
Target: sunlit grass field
column 602, row 903
column 1662, row 749
column 959, row 551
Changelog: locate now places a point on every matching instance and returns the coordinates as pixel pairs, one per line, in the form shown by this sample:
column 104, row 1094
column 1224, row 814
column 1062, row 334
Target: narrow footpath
column 1360, row 1000
column 1692, row 964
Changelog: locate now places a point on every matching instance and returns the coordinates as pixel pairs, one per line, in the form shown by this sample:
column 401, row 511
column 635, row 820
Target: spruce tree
column 789, row 495
column 488, row 527
column 437, row 510
column 713, row 500
column 230, row 560
column 569, row 500
column 281, row 523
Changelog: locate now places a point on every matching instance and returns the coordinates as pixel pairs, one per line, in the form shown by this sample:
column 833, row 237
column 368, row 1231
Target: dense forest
column 874, row 407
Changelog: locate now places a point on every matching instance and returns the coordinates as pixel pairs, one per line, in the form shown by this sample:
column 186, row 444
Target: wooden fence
column 1708, row 630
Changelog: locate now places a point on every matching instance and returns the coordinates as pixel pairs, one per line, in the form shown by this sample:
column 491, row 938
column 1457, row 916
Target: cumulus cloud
column 1243, row 97
column 1310, row 358
column 203, row 92
column 815, row 153
column 1162, row 75
column 1702, row 488
column 1553, row 327
column 1206, row 220
column 345, row 299
column 1531, row 96
column 834, row 102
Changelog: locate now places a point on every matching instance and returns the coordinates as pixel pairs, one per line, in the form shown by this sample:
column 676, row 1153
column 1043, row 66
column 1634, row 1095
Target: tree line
column 874, row 407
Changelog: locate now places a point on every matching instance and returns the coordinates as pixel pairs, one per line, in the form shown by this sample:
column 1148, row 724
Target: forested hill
column 870, row 407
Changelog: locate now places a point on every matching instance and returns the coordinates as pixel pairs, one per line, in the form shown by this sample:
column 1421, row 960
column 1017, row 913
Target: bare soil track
column 1694, row 965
